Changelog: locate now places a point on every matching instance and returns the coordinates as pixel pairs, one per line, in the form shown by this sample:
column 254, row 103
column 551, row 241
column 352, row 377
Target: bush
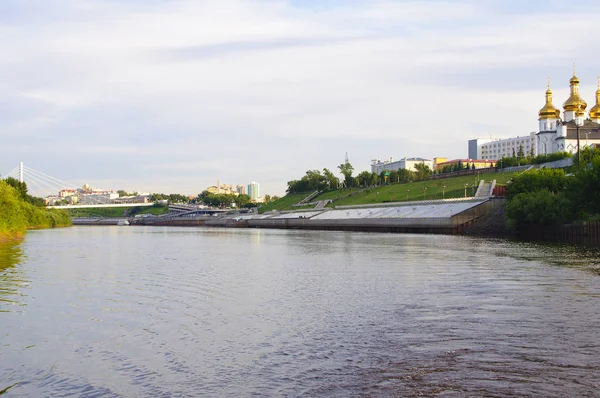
column 17, row 214
column 539, row 207
column 552, row 180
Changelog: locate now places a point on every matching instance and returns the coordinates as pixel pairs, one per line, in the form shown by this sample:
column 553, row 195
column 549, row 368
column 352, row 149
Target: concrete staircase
column 485, row 189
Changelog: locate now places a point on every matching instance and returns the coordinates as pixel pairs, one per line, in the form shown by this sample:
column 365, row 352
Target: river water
column 151, row 311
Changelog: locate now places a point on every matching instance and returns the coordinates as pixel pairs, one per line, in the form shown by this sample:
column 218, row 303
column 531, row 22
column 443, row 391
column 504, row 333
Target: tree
column 364, row 178
column 346, row 169
column 374, row 179
column 331, row 180
column 473, row 166
column 586, row 187
column 538, row 207
column 244, row 200
column 552, row 180
column 520, row 153
column 178, row 198
column 21, row 188
column 422, row 171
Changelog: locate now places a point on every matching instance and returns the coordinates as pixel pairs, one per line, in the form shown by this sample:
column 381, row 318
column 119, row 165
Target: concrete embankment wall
column 431, row 225
column 173, row 221
column 98, row 221
column 443, row 225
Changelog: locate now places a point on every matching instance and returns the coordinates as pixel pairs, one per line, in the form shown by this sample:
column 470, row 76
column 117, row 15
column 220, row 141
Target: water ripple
column 185, row 312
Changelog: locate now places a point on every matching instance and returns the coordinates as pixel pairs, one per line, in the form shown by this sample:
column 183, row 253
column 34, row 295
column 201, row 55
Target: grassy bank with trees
column 400, row 187
column 551, row 197
column 19, row 211
column 125, row 211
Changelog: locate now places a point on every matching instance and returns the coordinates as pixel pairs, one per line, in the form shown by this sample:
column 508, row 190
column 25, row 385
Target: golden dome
column 574, row 79
column 595, row 111
column 549, row 111
column 574, row 102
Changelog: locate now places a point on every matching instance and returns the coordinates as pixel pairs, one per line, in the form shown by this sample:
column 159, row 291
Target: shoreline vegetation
column 20, row 212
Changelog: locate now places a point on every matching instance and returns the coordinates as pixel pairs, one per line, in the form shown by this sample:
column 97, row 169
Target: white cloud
column 242, row 90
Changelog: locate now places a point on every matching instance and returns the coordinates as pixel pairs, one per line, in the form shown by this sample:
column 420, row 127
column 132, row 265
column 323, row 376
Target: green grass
column 395, row 192
column 117, row 211
column 454, row 188
column 156, row 210
column 286, row 202
column 331, row 195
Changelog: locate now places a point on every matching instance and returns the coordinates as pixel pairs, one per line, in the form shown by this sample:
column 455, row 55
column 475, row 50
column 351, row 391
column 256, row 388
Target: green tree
column 520, row 153
column 244, row 200
column 542, row 207
column 363, row 178
column 552, row 180
column 423, row 171
column 346, row 169
column 331, row 180
column 374, row 179
column 586, row 187
column 21, row 188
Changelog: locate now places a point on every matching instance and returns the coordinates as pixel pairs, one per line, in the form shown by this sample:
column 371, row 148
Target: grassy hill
column 453, row 187
column 285, row 203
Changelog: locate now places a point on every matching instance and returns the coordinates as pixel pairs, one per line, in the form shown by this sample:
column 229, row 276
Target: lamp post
column 407, row 191
column 578, row 123
column 465, row 185
column 424, row 192
column 586, row 138
column 443, row 189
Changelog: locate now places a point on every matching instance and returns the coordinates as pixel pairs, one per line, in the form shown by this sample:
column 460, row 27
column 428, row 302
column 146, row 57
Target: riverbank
column 17, row 216
column 449, row 216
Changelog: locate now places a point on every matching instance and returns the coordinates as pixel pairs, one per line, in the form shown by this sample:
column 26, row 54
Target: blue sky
column 172, row 96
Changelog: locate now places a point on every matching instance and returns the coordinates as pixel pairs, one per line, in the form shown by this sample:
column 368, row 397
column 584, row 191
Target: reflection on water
column 142, row 311
column 11, row 278
column 10, row 253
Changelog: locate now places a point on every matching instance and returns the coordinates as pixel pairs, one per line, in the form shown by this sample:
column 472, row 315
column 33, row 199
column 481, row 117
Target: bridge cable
column 61, row 183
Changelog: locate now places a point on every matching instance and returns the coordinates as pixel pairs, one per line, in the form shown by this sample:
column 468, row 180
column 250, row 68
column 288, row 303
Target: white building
column 497, row 148
column 377, row 166
column 556, row 135
column 241, row 189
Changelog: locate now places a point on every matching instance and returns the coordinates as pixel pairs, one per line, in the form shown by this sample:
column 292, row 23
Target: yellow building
column 479, row 164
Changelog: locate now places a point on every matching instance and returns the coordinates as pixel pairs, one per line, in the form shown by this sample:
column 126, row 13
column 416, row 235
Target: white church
column 557, row 135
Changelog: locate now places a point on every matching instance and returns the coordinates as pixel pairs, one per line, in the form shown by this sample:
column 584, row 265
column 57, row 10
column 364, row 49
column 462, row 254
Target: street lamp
column 578, row 123
column 407, row 191
column 465, row 185
column 443, row 189
column 424, row 192
column 586, row 138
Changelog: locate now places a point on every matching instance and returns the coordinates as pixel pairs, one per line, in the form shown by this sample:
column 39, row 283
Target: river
column 151, row 311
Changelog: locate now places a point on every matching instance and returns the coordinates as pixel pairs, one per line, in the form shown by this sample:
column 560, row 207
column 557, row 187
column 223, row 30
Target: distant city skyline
column 243, row 90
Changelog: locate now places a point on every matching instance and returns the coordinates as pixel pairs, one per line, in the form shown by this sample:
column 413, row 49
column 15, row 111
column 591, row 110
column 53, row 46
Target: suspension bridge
column 38, row 183
column 43, row 185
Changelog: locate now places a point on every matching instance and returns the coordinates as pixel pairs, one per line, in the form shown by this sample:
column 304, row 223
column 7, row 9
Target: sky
column 174, row 95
